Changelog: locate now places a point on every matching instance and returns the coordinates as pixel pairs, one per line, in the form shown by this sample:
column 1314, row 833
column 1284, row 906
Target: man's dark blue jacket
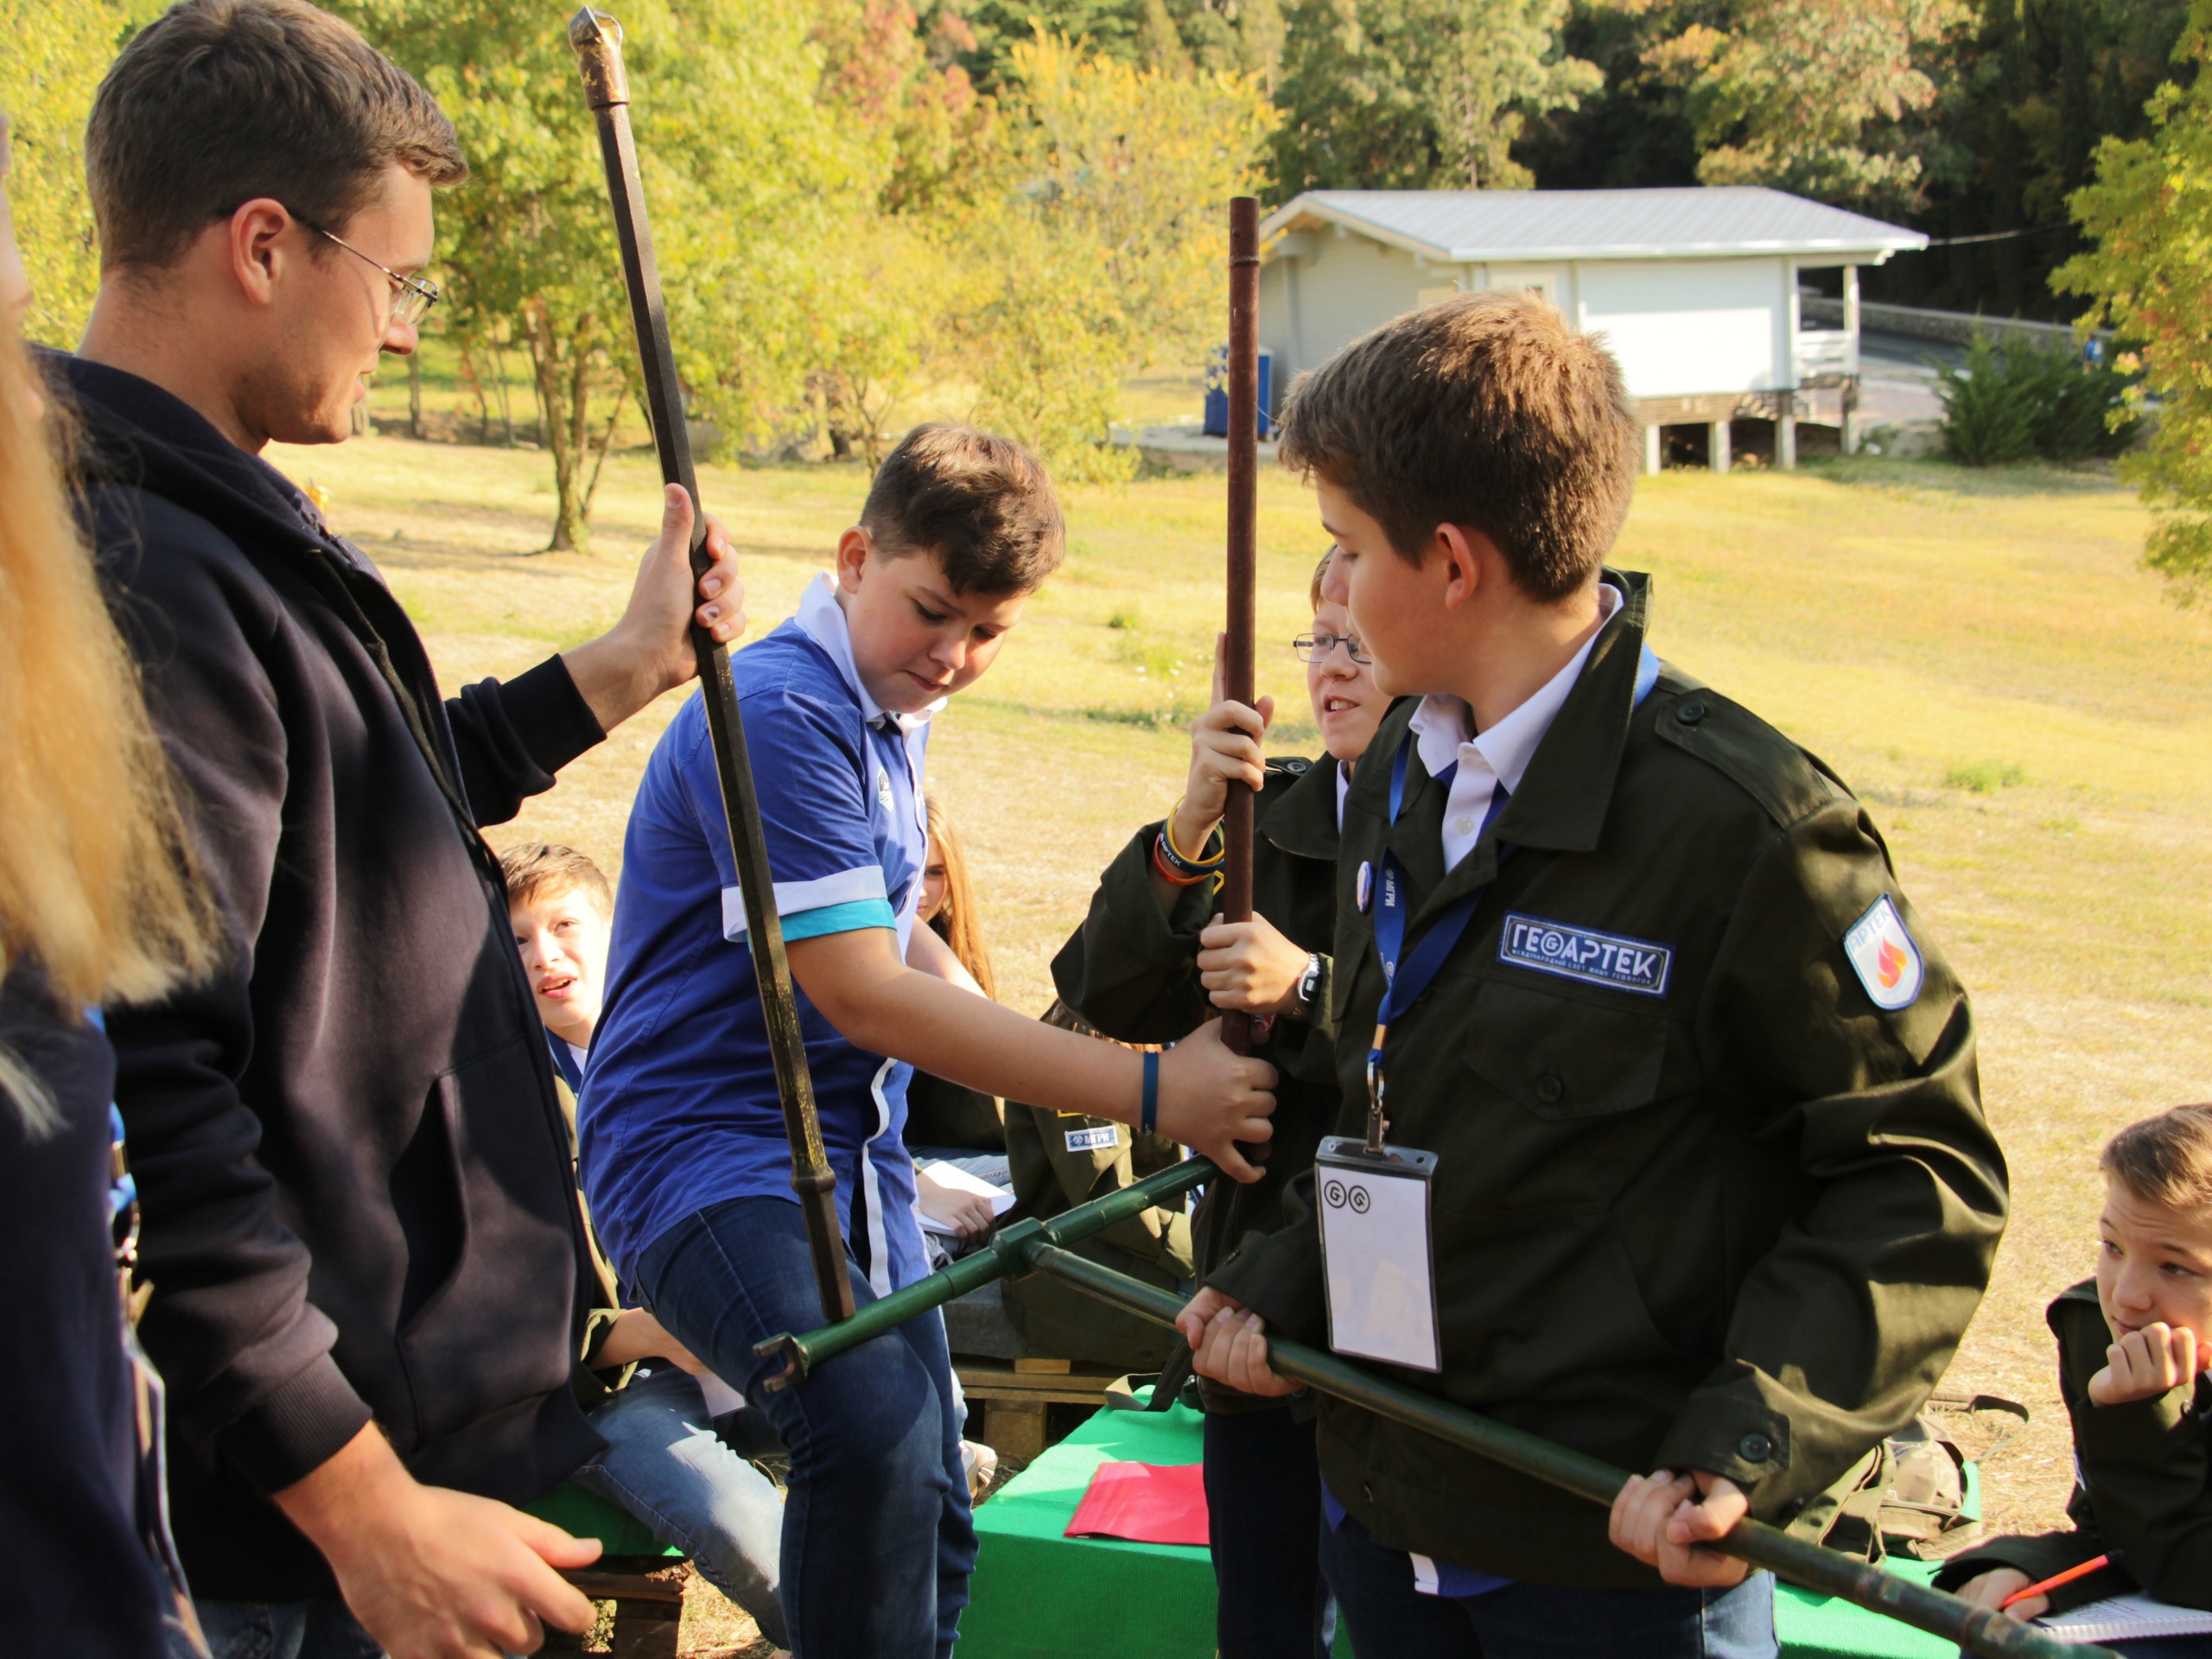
column 355, row 1177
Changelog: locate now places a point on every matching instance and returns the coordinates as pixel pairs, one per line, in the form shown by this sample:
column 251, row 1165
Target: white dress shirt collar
column 1441, row 730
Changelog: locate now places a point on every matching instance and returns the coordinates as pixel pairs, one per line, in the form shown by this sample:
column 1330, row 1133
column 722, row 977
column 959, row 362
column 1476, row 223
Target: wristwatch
column 1309, row 985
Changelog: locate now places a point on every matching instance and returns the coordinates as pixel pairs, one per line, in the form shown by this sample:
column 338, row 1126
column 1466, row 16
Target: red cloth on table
column 1144, row 1503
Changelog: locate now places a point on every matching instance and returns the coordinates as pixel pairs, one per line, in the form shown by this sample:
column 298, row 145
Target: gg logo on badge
column 1338, row 1195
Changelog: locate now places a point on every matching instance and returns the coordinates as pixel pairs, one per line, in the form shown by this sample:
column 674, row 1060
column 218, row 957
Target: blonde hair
column 2166, row 1159
column 956, row 921
column 96, row 883
column 532, row 868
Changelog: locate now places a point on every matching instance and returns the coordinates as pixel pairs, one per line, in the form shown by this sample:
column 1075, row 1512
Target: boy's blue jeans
column 878, row 1541
column 317, row 1628
column 1389, row 1620
column 664, row 1464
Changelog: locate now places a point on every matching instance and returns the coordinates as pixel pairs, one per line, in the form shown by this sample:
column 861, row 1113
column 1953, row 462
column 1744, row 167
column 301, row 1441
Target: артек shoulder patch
column 1884, row 957
column 1609, row 959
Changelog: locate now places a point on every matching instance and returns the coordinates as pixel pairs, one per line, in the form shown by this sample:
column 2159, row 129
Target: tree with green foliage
column 1807, row 95
column 1417, row 94
column 2150, row 212
column 56, row 55
column 1107, row 249
column 746, row 172
column 1175, row 35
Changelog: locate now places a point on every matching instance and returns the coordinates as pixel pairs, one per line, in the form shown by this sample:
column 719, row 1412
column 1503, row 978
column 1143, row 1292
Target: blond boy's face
column 564, row 940
column 914, row 639
column 1347, row 705
column 2154, row 1265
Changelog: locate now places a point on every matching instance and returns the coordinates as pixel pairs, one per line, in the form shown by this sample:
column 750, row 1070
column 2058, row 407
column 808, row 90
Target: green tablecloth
column 1038, row 1595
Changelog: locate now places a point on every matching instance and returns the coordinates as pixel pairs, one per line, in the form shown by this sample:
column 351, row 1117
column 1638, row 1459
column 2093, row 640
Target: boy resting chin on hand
column 2135, row 1346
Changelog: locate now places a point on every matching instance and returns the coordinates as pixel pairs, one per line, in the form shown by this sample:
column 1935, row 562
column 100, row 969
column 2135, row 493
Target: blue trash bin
column 1217, row 393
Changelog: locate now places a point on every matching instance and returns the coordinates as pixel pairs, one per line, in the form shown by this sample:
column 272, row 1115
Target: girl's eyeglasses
column 1316, row 647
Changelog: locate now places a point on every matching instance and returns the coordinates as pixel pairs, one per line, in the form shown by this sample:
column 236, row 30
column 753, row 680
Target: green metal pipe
column 1007, row 1257
column 1978, row 1629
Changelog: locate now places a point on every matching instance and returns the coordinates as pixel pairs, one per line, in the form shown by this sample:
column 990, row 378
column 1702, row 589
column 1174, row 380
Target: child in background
column 2134, row 1344
column 946, row 1123
column 943, row 1119
column 562, row 912
column 1153, row 960
column 684, row 1152
column 664, row 1462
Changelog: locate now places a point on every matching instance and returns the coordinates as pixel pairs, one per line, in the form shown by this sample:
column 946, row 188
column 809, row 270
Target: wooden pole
column 1242, row 544
column 597, row 39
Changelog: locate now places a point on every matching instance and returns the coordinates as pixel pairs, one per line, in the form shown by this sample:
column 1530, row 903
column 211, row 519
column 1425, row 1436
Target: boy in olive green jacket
column 1712, row 1194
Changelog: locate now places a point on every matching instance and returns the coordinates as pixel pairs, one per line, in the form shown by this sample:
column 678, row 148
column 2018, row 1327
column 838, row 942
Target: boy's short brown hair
column 217, row 102
column 2166, row 1159
column 1485, row 411
column 536, row 869
column 983, row 504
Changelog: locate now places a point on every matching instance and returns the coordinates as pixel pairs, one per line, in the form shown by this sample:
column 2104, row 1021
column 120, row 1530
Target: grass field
column 2025, row 713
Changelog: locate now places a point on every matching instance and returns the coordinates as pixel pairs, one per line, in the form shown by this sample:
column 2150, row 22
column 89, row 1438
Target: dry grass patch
column 2024, row 712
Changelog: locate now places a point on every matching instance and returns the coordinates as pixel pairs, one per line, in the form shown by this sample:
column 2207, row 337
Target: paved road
column 1896, row 383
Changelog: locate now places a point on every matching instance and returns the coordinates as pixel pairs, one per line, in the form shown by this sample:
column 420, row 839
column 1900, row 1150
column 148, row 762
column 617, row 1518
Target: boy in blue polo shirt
column 683, row 1152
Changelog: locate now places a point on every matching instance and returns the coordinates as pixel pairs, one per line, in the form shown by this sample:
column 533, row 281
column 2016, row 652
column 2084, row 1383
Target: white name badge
column 1374, row 1251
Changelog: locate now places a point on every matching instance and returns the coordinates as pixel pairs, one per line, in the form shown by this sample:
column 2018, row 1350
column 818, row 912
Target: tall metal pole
column 1243, row 545
column 597, row 39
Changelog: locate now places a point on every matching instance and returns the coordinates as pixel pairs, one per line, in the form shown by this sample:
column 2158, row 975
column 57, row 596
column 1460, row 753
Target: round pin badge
column 1364, row 890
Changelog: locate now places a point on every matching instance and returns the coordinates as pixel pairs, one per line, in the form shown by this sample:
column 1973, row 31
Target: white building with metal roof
column 1695, row 290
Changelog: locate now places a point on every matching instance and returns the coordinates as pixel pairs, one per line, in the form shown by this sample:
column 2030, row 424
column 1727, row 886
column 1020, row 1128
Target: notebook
column 952, row 1175
column 2124, row 1619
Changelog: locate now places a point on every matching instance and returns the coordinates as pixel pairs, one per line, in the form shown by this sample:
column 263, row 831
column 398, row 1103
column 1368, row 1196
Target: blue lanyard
column 564, row 1062
column 1404, row 981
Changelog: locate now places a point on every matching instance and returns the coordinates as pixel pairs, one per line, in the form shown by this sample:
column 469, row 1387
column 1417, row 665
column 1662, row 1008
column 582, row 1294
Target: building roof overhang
column 1460, row 227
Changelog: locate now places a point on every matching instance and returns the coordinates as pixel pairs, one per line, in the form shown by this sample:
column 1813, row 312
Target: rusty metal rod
column 1242, row 543
column 597, row 39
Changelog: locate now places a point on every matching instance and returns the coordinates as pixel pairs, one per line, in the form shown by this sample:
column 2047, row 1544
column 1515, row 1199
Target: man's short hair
column 2166, row 1159
column 536, row 869
column 983, row 504
column 1484, row 411
column 217, row 102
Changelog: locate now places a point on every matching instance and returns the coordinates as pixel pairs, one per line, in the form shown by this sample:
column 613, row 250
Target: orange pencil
column 2053, row 1582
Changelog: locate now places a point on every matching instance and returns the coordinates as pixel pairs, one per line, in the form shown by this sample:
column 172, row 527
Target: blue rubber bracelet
column 1149, row 1117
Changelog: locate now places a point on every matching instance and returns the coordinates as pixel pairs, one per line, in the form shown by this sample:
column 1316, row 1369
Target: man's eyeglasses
column 1316, row 647
column 410, row 295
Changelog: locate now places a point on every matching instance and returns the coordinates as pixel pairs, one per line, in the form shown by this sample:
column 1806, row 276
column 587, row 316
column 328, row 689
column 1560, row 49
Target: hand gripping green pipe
column 1033, row 1246
column 1006, row 1258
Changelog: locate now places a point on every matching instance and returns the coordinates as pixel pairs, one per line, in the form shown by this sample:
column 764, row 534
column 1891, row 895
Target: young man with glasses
column 360, row 1225
column 1152, row 961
